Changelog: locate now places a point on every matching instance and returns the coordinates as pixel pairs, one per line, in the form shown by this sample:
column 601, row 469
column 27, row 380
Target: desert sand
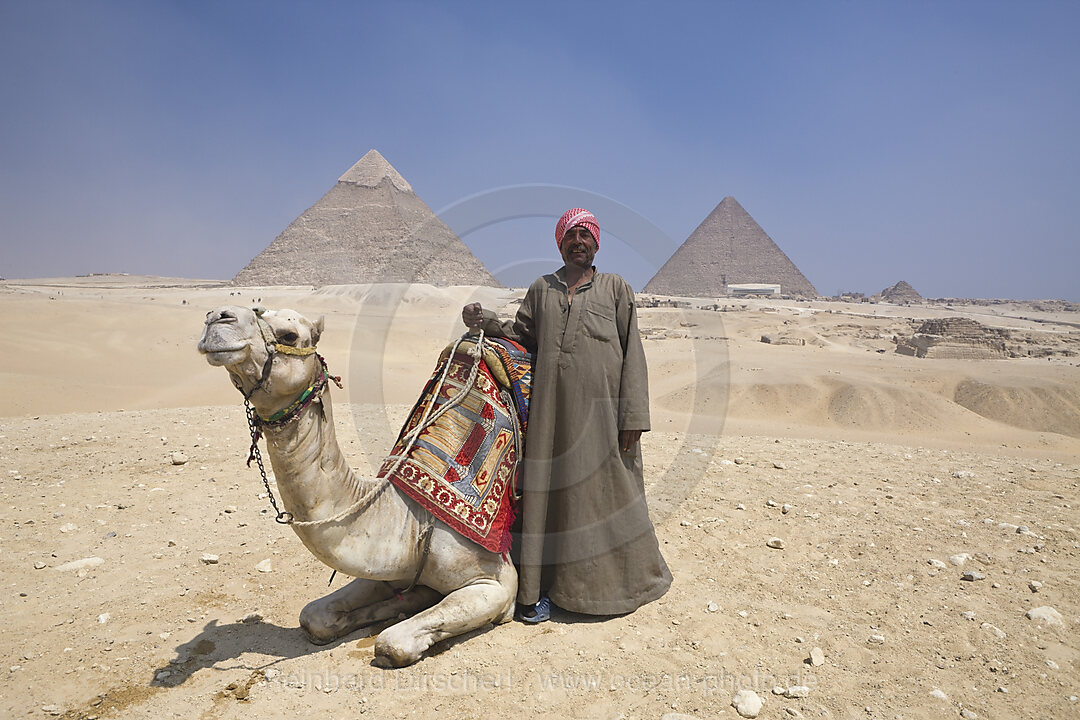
column 886, row 477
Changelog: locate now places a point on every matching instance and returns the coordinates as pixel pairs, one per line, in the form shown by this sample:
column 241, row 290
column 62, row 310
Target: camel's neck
column 314, row 480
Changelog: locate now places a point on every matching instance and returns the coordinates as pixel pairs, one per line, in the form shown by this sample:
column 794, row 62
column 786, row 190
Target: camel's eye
column 288, row 338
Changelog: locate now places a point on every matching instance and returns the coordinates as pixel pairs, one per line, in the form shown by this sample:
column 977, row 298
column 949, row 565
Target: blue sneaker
column 538, row 613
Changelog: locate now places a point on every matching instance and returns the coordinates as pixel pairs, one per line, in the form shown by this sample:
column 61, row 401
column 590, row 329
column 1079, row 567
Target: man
column 586, row 542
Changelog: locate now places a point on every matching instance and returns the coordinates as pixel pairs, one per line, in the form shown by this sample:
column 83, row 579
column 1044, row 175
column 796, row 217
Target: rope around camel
column 413, row 435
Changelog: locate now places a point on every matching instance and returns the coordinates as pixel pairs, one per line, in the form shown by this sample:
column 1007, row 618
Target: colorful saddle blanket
column 463, row 467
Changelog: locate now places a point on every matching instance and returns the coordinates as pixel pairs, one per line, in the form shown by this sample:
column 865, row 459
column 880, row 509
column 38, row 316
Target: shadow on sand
column 217, row 645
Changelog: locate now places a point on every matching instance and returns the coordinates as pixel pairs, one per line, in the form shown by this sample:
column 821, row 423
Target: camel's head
column 269, row 353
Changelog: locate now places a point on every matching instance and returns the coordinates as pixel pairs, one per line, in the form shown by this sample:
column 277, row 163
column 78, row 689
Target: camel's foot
column 360, row 603
column 397, row 650
column 316, row 639
column 508, row 615
column 459, row 612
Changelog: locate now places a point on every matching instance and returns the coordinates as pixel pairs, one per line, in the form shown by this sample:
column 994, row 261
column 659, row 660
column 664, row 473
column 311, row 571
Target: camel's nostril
column 216, row 316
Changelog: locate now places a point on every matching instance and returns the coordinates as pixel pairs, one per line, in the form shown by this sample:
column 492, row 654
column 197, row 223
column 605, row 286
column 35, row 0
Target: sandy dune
column 887, row 462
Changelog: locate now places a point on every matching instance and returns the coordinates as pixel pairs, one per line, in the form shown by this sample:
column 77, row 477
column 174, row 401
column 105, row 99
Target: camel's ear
column 316, row 330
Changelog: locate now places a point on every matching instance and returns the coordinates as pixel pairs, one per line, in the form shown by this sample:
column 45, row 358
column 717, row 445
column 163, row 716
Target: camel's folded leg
column 484, row 601
column 361, row 602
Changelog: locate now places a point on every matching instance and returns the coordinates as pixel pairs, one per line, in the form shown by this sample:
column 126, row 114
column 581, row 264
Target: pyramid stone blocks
column 728, row 248
column 370, row 227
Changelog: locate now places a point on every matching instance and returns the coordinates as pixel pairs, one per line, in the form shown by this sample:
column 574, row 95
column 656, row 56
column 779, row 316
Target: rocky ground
column 138, row 587
column 853, row 533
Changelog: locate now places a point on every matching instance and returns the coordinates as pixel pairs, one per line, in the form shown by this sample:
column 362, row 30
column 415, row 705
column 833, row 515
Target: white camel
column 364, row 528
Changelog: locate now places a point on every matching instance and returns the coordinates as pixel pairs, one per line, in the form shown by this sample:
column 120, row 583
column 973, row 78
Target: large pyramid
column 728, row 248
column 370, row 227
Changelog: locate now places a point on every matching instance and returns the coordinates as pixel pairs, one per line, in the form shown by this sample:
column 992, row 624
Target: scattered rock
column 969, row 615
column 797, row 691
column 779, row 466
column 39, row 565
column 972, row 576
column 209, row 559
column 1046, row 615
column 265, row 566
column 1034, row 585
column 747, row 703
column 968, row 714
column 103, row 618
column 712, row 607
column 775, row 543
column 68, row 527
column 877, row 639
column 938, row 694
column 959, row 559
column 937, row 564
column 84, row 564
column 786, row 508
column 995, row 631
column 251, row 617
column 817, row 657
column 179, row 458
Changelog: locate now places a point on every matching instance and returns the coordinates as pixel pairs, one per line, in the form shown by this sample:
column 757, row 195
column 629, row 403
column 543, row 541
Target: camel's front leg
column 359, row 603
column 483, row 601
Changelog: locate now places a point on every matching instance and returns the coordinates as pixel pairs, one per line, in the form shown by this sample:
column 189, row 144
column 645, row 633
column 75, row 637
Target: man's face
column 579, row 247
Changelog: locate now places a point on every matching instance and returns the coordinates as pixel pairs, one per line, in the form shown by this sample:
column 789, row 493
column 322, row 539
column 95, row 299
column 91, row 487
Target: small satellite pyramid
column 900, row 293
column 728, row 248
column 370, row 227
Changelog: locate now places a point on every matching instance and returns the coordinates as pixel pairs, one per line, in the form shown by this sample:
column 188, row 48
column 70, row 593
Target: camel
column 361, row 527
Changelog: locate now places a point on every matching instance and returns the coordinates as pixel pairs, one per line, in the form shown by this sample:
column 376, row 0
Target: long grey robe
column 586, row 538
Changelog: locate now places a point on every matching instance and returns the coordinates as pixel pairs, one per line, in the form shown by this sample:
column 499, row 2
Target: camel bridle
column 285, row 415
column 309, row 395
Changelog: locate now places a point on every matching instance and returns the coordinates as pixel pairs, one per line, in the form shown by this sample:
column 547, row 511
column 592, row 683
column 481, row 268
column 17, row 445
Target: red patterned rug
column 463, row 467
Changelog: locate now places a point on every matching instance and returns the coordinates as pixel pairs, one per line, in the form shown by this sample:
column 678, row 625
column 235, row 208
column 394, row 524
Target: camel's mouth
column 220, row 350
column 224, row 356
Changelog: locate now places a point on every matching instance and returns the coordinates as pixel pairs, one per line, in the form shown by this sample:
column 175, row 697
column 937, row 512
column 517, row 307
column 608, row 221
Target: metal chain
column 287, row 518
column 282, row 517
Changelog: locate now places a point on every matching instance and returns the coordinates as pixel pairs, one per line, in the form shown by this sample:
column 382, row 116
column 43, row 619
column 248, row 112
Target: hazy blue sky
column 935, row 142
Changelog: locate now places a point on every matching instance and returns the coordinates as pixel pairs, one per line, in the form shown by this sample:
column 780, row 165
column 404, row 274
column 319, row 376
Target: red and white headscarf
column 573, row 218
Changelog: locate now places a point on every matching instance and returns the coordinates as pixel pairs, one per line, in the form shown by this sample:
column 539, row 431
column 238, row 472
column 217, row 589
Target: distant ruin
column 955, row 338
column 965, row 339
column 900, row 294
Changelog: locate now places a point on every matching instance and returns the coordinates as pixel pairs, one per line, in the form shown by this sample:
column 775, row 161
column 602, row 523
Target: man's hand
column 628, row 439
column 472, row 315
